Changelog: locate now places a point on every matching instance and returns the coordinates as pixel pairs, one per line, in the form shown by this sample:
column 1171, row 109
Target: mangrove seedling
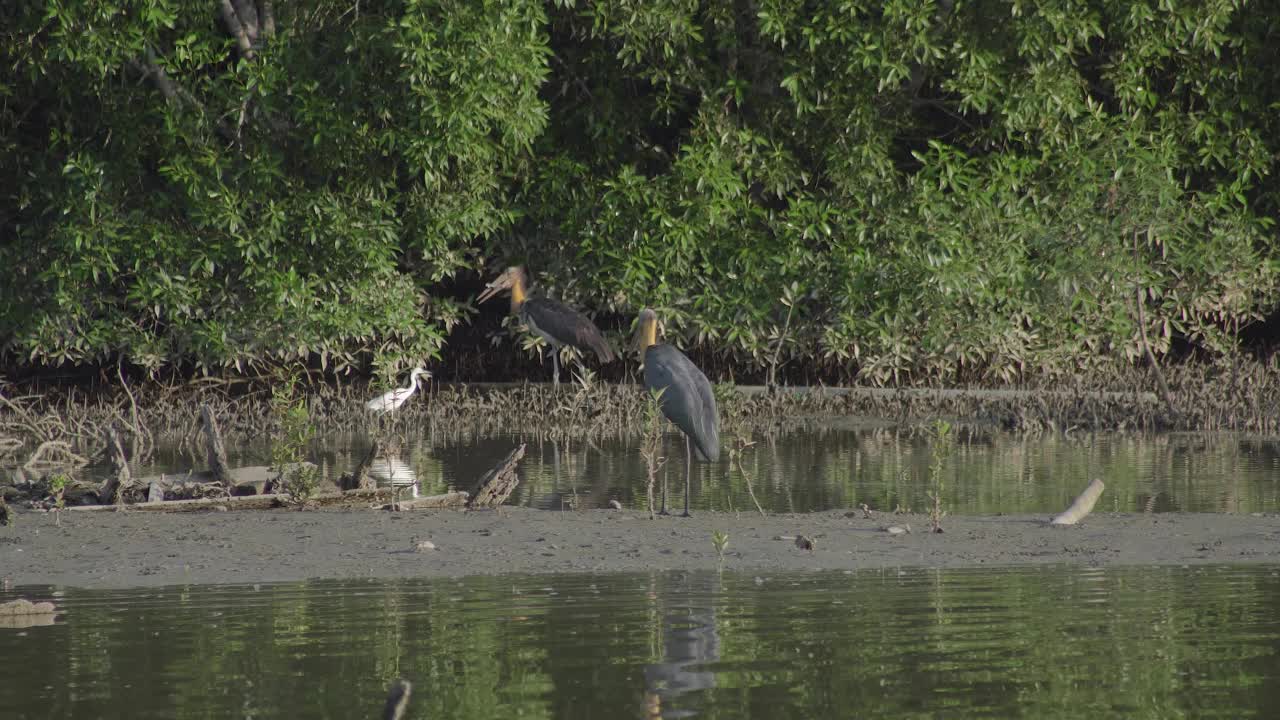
column 297, row 480
column 938, row 451
column 651, row 444
column 57, row 490
column 720, row 541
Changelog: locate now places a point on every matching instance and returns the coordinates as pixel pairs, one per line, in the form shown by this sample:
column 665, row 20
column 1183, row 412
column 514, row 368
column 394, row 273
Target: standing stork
column 552, row 321
column 687, row 399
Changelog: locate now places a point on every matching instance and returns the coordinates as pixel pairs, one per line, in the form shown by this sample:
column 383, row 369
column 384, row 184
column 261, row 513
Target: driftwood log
column 217, row 451
column 497, row 484
column 1082, row 506
column 455, row 499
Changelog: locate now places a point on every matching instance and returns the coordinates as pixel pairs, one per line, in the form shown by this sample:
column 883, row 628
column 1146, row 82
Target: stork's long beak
column 645, row 334
column 502, row 282
column 638, row 343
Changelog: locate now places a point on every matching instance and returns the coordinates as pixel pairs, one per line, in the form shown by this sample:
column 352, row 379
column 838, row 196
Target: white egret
column 391, row 400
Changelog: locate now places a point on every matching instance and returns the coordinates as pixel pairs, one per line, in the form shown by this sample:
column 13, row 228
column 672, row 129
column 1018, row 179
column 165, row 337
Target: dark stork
column 687, row 399
column 552, row 321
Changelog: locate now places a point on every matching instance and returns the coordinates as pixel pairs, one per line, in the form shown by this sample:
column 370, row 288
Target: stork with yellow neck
column 550, row 320
column 686, row 400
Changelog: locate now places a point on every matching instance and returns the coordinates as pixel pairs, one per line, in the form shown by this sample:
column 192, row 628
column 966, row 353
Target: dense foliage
column 907, row 189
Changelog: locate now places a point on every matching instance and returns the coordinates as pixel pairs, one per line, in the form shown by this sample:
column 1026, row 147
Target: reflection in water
column 392, row 471
column 686, row 604
column 841, row 466
column 1060, row 642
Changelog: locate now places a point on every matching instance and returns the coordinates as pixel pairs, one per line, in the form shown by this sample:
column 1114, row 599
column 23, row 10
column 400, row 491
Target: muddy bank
column 134, row 549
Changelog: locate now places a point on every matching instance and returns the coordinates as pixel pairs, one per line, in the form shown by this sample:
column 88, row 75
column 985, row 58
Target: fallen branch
column 354, row 498
column 1082, row 506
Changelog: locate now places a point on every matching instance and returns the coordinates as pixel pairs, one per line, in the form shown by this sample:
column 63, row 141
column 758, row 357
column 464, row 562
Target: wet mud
column 123, row 549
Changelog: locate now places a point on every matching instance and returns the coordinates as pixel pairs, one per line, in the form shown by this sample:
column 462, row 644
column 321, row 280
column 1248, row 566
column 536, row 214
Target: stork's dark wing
column 568, row 326
column 688, row 400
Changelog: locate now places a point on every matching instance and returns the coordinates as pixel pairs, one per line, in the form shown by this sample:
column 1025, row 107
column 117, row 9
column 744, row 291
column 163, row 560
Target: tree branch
column 268, row 19
column 237, row 28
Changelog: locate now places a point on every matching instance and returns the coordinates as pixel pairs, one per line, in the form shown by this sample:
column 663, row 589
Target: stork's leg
column 688, row 470
column 663, row 511
column 555, row 366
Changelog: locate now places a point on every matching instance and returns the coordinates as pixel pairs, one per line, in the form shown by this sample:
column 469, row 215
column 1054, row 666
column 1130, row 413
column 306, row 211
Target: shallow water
column 840, row 466
column 1028, row 642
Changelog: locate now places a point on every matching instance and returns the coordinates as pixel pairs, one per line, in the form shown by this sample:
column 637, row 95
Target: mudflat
column 123, row 549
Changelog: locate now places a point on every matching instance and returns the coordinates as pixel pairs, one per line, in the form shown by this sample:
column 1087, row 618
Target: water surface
column 1026, row 642
column 837, row 465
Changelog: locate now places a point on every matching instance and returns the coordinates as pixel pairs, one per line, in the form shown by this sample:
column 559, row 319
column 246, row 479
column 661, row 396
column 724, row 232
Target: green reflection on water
column 832, row 466
column 1027, row 642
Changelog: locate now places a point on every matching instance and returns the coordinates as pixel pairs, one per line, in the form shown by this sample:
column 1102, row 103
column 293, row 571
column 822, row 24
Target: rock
column 615, row 504
column 424, row 546
column 898, row 530
column 155, row 492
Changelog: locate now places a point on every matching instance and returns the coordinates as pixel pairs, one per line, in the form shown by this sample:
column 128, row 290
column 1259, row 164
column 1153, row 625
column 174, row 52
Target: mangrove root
column 1082, row 506
column 53, row 454
column 217, row 451
column 497, row 484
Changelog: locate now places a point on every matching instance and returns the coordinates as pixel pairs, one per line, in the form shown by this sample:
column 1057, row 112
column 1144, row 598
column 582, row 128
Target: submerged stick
column 397, row 699
column 359, row 477
column 217, row 451
column 1082, row 506
column 113, row 488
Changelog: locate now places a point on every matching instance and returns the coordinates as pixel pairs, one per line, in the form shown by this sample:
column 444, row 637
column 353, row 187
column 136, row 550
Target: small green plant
column 721, row 541
column 57, row 489
column 297, row 481
column 651, row 444
column 939, row 449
